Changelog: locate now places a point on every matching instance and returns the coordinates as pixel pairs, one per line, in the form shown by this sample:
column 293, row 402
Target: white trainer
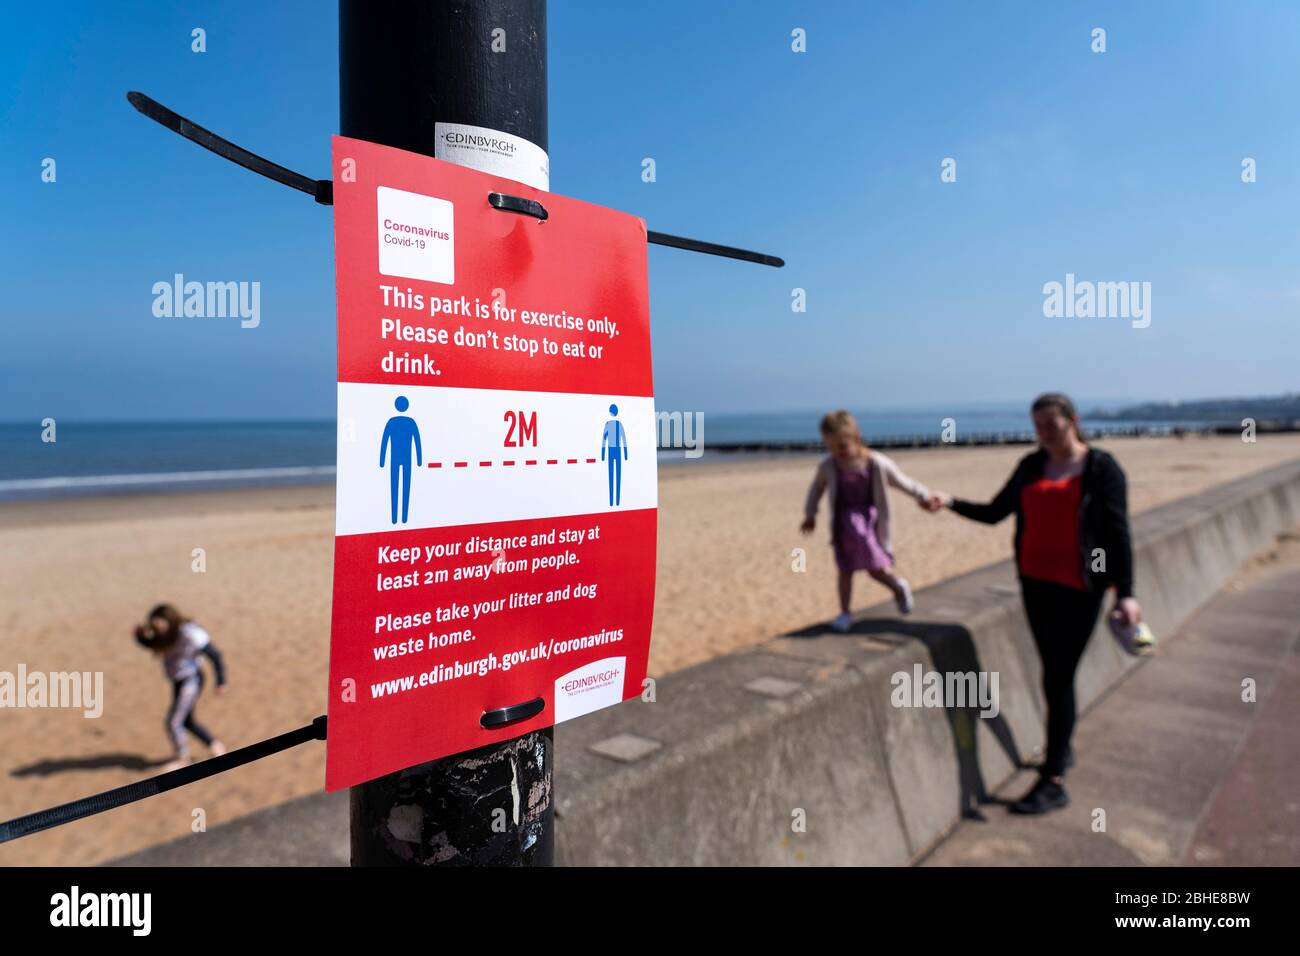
column 842, row 623
column 904, row 597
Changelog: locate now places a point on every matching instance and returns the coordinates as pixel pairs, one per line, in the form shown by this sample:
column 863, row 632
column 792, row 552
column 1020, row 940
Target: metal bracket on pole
column 322, row 190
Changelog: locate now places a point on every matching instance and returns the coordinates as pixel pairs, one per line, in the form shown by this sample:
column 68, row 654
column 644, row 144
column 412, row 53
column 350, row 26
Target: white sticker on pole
column 491, row 151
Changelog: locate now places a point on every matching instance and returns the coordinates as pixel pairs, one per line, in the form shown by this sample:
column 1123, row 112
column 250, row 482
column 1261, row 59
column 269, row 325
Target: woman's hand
column 937, row 501
column 1129, row 609
column 808, row 524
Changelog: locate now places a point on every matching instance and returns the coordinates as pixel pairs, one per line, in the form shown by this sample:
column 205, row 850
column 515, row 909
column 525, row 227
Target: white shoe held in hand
column 1136, row 639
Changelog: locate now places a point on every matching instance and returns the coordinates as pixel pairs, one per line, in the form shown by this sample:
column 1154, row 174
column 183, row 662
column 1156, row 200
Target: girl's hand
column 1129, row 609
column 808, row 524
column 937, row 501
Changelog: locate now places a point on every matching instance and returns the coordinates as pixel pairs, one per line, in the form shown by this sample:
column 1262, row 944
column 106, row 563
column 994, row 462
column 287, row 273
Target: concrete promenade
column 1186, row 772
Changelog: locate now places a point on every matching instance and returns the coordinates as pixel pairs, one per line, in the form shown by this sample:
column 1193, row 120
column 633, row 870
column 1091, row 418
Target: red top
column 1049, row 545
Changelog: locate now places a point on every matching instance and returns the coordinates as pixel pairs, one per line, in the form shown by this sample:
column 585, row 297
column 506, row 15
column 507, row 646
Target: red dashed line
column 530, row 461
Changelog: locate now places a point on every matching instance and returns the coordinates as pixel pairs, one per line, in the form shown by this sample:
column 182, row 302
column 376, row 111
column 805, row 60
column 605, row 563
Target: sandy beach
column 76, row 575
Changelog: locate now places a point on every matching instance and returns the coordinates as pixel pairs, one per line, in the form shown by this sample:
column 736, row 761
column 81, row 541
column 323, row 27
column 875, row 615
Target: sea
column 99, row 458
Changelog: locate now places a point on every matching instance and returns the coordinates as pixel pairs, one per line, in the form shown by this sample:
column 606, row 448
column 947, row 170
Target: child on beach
column 179, row 641
column 856, row 478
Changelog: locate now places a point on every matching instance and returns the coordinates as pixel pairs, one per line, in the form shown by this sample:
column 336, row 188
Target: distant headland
column 1277, row 408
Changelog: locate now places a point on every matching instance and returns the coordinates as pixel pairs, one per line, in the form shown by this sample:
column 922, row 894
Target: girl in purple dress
column 856, row 478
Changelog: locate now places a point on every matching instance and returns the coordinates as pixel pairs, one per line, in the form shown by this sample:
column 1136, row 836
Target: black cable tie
column 511, row 715
column 121, row 796
column 529, row 207
column 322, row 190
column 713, row 249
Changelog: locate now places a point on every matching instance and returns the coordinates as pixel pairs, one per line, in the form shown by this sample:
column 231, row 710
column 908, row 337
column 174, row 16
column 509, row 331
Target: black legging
column 1061, row 619
column 180, row 716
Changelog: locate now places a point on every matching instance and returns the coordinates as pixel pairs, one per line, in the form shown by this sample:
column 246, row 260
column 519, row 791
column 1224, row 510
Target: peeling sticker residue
column 404, row 822
column 537, row 794
column 514, row 789
column 441, row 848
column 416, row 820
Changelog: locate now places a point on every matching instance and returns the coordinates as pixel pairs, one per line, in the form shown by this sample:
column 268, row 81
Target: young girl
column 856, row 478
column 179, row 641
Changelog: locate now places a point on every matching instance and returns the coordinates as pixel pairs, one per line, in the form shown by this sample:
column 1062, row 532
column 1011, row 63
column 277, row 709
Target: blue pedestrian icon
column 401, row 432
column 615, row 439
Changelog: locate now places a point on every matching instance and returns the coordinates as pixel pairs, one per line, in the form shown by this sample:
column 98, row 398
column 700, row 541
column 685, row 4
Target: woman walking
column 1072, row 544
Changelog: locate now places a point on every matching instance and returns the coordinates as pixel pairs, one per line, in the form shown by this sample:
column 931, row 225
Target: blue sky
column 1117, row 166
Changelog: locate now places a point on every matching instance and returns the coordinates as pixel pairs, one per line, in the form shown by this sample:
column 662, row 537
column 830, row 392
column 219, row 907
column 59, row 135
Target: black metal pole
column 404, row 67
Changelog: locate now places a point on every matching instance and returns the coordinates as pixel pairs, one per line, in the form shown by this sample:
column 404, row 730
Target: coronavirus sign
column 496, row 509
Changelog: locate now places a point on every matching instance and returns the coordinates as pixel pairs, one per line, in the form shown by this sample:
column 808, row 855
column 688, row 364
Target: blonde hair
column 841, row 422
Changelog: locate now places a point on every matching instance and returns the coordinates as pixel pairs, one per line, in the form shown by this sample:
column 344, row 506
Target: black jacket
column 1103, row 516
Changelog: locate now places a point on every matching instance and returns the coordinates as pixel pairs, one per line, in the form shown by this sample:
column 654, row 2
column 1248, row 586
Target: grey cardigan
column 883, row 470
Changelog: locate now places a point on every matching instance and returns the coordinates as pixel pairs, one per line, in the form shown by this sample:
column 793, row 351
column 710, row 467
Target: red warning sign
column 496, row 503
